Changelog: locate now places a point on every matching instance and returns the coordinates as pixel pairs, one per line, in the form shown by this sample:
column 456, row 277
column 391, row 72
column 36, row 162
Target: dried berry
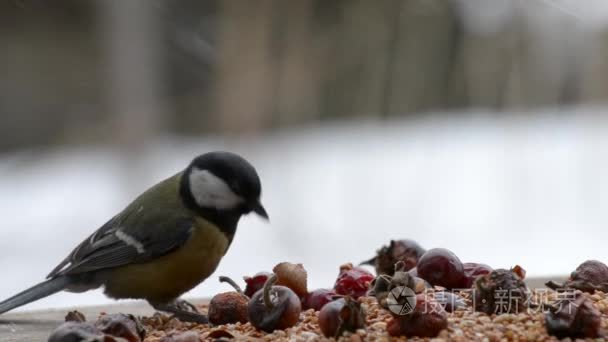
column 255, row 283
column 383, row 284
column 293, row 276
column 589, row 276
column 318, row 298
column 76, row 331
column 341, row 315
column 121, row 325
column 406, row 250
column 427, row 319
column 274, row 307
column 75, row 316
column 228, row 307
column 441, row 267
column 353, row 281
column 501, row 291
column 473, row 270
column 575, row 317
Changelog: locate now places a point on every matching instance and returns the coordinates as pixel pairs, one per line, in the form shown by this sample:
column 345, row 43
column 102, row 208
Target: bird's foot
column 183, row 311
column 185, row 305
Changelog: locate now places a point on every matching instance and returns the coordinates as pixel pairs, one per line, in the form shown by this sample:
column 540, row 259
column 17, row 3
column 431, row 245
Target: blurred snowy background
column 475, row 125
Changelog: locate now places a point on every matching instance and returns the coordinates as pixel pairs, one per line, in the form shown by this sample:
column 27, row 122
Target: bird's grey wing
column 86, row 245
column 115, row 246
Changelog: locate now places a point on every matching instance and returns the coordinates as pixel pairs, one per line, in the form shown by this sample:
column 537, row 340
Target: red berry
column 440, row 266
column 318, row 298
column 473, row 270
column 255, row 283
column 353, row 281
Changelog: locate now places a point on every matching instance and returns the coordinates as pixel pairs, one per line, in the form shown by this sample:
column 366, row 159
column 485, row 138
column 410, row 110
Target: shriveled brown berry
column 383, row 284
column 499, row 292
column 406, row 250
column 293, row 276
column 427, row 320
column 121, row 325
column 76, row 331
column 588, row 277
column 228, row 307
column 75, row 316
column 575, row 317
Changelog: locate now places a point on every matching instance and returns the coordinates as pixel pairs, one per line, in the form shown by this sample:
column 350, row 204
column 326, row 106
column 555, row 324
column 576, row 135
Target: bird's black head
column 222, row 186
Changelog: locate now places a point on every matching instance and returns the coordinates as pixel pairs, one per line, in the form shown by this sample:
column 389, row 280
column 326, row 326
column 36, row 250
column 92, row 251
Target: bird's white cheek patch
column 130, row 241
column 210, row 191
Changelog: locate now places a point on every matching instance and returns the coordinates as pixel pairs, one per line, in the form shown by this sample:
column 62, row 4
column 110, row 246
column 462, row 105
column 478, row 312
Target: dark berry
column 473, row 270
column 353, row 281
column 255, row 283
column 274, row 307
column 318, row 298
column 383, row 284
column 575, row 318
column 589, row 276
column 427, row 319
column 75, row 316
column 499, row 292
column 406, row 250
column 341, row 315
column 441, row 267
column 120, row 325
column 76, row 331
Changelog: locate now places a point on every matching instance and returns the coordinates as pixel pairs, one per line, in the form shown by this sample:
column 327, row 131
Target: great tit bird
column 167, row 241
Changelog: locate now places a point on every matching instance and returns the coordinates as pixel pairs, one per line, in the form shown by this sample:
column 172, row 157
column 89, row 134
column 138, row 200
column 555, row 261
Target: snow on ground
column 503, row 191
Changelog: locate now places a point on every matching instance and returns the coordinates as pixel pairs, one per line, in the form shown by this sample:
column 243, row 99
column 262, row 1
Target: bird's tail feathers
column 44, row 289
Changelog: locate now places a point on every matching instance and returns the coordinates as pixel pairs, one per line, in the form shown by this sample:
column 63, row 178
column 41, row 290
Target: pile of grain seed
column 464, row 325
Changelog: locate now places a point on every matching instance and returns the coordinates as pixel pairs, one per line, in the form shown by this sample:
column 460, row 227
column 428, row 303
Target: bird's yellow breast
column 169, row 276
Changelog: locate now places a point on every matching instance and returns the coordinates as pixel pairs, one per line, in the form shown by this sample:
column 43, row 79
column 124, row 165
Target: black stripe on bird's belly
column 225, row 220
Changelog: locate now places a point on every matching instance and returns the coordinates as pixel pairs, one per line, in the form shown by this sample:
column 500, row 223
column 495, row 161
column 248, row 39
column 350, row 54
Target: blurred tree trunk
column 134, row 74
column 246, row 79
column 422, row 58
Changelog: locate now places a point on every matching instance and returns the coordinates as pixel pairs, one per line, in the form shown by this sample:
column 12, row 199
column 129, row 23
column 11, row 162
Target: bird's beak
column 258, row 208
